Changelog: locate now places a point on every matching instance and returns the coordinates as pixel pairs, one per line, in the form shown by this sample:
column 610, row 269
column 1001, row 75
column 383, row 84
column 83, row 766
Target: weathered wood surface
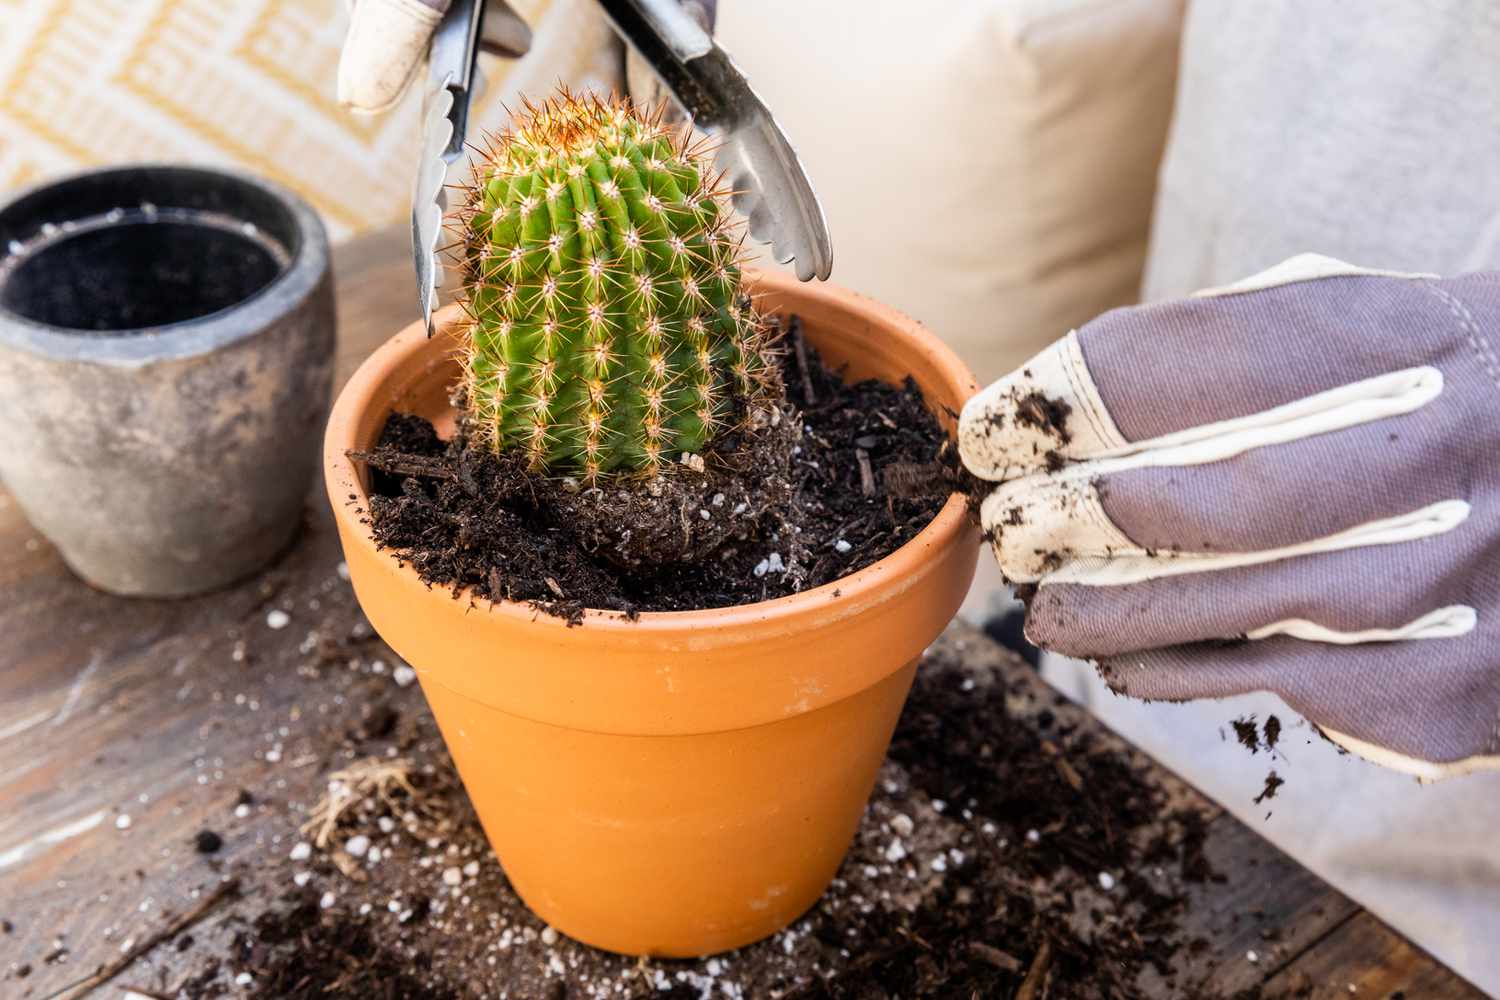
column 162, row 711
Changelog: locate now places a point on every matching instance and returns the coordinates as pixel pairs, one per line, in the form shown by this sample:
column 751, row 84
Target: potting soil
column 867, row 469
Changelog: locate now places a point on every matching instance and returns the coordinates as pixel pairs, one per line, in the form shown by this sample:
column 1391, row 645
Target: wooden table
column 128, row 726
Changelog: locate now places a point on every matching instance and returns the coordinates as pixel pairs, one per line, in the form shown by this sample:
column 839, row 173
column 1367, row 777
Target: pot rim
column 308, row 261
column 871, row 585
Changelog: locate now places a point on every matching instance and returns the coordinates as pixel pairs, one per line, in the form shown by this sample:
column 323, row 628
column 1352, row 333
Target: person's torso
column 1368, row 132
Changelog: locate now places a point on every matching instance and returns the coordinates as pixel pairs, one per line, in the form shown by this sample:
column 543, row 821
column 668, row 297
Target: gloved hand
column 1291, row 484
column 388, row 41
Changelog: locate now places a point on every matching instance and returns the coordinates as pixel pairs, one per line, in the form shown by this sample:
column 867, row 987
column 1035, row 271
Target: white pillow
column 987, row 166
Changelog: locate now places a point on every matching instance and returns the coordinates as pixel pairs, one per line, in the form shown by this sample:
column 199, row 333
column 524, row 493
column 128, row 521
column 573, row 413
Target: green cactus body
column 609, row 332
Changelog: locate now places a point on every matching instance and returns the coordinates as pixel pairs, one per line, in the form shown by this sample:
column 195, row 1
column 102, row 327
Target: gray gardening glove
column 388, row 41
column 1291, row 484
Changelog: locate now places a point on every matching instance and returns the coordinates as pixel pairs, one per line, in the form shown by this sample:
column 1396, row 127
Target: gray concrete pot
column 166, row 348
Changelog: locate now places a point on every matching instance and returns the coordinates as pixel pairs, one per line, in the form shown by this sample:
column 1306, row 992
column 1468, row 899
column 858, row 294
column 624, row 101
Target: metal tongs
column 445, row 123
column 769, row 186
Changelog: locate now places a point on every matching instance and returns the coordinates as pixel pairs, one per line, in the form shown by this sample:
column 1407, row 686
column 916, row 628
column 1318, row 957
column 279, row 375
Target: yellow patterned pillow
column 249, row 84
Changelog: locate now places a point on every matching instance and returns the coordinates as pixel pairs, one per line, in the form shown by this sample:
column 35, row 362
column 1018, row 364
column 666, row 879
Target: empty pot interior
column 141, row 248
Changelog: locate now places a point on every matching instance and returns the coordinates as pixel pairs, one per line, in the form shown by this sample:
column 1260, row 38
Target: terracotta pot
column 689, row 782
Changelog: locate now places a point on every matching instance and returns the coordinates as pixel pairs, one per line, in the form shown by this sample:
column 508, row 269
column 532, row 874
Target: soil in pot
column 864, row 468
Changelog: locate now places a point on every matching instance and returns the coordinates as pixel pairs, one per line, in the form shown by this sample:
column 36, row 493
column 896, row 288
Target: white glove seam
column 1448, row 622
column 1138, row 567
column 1093, row 505
column 1348, row 405
column 1422, row 770
column 1477, row 340
column 1304, row 267
column 1086, row 394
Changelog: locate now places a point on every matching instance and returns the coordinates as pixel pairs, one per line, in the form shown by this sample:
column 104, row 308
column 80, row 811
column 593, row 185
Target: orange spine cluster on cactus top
column 601, row 268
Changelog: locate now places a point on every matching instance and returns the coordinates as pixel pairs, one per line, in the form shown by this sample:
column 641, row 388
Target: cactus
column 609, row 330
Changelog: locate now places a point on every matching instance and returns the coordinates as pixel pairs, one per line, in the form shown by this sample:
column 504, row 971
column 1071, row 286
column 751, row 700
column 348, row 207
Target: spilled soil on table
column 842, row 477
column 1007, row 852
column 297, row 953
column 1012, row 848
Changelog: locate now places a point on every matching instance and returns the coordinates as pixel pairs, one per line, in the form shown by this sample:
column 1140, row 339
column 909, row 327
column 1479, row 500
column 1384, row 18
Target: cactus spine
column 609, row 331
